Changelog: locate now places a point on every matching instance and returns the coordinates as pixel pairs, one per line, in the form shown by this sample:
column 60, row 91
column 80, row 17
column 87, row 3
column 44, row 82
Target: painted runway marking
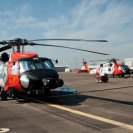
column 113, row 122
column 4, row 130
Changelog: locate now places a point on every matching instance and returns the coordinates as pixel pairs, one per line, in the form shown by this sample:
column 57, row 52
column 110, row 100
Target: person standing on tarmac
column 102, row 77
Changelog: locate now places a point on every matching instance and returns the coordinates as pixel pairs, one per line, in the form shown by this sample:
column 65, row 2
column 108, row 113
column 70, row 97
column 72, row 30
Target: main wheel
column 123, row 75
column 104, row 79
column 3, row 95
column 13, row 93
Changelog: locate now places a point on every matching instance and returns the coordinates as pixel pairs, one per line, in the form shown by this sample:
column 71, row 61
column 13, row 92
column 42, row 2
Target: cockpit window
column 48, row 64
column 35, row 64
column 26, row 65
column 38, row 64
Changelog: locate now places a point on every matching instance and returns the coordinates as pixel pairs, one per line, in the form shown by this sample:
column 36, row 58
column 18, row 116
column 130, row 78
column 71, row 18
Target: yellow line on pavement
column 113, row 122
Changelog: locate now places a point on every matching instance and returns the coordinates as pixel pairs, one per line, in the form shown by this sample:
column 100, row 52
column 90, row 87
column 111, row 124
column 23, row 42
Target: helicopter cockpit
column 35, row 64
column 34, row 72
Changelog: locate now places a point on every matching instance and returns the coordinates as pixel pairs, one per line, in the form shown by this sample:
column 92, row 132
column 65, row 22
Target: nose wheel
column 46, row 92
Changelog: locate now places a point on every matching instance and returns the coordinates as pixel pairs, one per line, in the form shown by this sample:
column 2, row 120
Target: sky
column 110, row 20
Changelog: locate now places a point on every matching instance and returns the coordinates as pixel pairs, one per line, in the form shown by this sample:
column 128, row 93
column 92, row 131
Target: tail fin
column 86, row 66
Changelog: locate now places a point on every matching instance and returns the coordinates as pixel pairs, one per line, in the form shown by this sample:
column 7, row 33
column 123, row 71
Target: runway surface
column 95, row 108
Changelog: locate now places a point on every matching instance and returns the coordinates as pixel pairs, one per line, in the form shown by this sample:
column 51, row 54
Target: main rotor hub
column 18, row 42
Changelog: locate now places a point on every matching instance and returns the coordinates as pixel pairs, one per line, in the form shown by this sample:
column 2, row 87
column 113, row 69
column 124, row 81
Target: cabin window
column 109, row 69
column 15, row 69
column 3, row 73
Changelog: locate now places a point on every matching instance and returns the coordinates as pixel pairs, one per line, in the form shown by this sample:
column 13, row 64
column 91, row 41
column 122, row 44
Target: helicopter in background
column 85, row 68
column 24, row 72
column 110, row 67
column 113, row 68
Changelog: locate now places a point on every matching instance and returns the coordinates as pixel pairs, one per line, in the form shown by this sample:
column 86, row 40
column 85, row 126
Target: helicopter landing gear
column 46, row 92
column 13, row 93
column 122, row 75
column 3, row 95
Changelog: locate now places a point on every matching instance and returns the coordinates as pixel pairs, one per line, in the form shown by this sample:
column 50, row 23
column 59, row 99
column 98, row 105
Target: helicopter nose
column 52, row 83
column 60, row 83
column 49, row 83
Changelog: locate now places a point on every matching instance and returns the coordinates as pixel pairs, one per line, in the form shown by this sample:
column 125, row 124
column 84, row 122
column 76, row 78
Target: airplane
column 25, row 72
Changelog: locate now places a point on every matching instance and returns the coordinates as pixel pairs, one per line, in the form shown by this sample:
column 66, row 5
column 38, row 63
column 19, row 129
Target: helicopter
column 112, row 67
column 27, row 73
column 85, row 68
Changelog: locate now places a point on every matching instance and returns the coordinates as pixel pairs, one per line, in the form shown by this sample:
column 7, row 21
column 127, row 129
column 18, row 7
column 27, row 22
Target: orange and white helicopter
column 24, row 72
column 88, row 68
column 85, row 68
column 110, row 68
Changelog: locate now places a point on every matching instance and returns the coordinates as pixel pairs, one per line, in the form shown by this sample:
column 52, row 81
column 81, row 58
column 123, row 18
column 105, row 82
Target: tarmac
column 94, row 108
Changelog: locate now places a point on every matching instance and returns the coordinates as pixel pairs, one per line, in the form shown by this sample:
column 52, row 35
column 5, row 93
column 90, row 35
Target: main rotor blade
column 3, row 42
column 48, row 45
column 70, row 40
column 5, row 48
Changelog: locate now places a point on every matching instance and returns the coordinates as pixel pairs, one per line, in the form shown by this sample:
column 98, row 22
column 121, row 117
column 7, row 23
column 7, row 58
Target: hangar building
column 129, row 62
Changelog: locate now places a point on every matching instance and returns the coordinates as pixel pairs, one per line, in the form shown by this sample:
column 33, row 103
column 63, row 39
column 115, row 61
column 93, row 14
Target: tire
column 13, row 94
column 3, row 95
column 122, row 75
column 46, row 92
column 104, row 79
